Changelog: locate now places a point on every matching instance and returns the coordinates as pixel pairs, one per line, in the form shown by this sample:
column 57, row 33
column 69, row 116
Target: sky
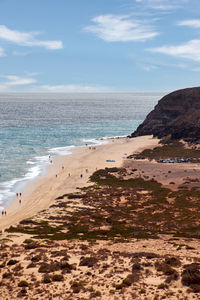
column 99, row 45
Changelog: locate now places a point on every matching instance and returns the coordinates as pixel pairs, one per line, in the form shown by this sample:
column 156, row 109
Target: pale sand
column 41, row 192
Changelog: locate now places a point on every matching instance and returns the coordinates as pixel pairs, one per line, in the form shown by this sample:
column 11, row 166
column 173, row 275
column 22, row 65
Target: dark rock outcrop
column 176, row 114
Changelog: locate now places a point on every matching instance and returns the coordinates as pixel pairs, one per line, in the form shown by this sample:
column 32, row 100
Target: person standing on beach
column 2, row 213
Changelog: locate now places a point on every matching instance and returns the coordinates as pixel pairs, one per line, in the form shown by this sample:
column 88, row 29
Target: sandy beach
column 41, row 192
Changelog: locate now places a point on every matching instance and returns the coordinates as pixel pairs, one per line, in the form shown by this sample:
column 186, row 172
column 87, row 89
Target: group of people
column 81, row 175
column 69, row 174
column 3, row 213
column 62, row 170
column 90, row 148
column 19, row 195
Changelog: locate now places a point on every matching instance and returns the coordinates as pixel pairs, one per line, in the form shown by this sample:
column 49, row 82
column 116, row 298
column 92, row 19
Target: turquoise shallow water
column 34, row 126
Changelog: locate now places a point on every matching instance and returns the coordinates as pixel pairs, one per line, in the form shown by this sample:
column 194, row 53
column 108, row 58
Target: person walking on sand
column 2, row 213
column 20, row 194
column 69, row 175
column 20, row 201
column 5, row 212
column 17, row 195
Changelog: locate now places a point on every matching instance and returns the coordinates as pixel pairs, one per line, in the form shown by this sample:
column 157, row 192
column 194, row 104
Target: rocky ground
column 176, row 115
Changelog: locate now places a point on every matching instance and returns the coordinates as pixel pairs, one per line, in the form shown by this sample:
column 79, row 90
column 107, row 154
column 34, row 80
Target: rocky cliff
column 176, row 114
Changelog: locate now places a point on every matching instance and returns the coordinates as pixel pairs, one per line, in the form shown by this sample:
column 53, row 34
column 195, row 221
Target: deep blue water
column 34, row 126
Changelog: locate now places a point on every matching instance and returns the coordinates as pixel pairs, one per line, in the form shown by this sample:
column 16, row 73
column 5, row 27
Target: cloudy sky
column 99, row 45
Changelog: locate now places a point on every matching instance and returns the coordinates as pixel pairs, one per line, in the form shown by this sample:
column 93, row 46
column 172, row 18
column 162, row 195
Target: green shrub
column 57, row 277
column 46, row 279
column 23, row 283
column 88, row 261
column 12, row 262
column 6, row 275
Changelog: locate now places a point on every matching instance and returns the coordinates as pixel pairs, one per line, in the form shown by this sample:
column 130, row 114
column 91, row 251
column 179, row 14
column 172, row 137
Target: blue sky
column 99, row 45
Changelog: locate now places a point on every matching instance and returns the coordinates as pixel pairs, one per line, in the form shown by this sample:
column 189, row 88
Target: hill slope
column 176, row 114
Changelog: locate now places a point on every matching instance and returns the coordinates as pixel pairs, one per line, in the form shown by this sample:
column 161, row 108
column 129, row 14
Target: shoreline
column 39, row 193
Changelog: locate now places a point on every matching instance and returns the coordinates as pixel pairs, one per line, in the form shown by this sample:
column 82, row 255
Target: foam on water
column 96, row 142
column 6, row 192
column 29, row 162
column 61, row 150
column 33, row 172
column 8, row 189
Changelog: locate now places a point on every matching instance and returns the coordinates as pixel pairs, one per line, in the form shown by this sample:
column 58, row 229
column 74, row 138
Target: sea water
column 36, row 126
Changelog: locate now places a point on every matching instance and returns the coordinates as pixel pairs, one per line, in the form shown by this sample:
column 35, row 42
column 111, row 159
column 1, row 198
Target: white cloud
column 26, row 83
column 2, row 52
column 73, row 88
column 18, row 53
column 14, row 81
column 115, row 28
column 194, row 23
column 189, row 50
column 27, row 39
column 146, row 66
column 149, row 66
column 196, row 69
column 163, row 4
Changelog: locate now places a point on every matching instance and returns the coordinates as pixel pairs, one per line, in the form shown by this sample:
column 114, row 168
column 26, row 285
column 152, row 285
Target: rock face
column 176, row 114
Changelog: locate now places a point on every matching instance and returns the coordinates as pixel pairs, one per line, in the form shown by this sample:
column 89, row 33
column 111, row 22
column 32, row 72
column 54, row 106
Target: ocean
column 34, row 126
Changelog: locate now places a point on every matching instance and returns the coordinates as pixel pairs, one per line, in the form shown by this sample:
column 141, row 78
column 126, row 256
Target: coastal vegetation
column 117, row 208
column 171, row 150
column 76, row 235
